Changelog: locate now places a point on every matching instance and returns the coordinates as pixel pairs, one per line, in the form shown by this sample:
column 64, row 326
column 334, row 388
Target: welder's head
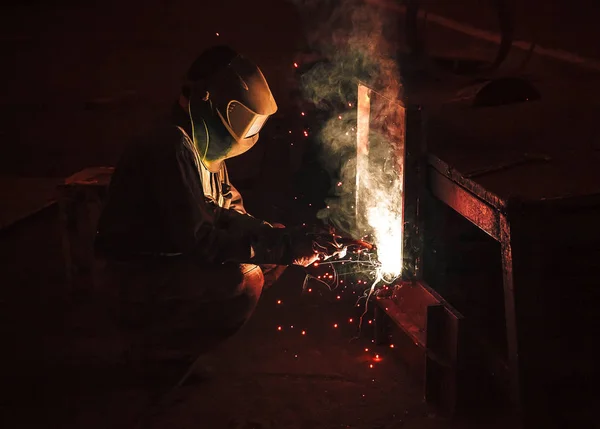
column 229, row 102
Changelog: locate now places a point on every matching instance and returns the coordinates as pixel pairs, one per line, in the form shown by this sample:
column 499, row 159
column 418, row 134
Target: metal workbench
column 527, row 175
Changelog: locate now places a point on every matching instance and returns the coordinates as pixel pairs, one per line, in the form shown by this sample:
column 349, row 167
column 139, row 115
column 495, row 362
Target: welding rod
column 351, row 242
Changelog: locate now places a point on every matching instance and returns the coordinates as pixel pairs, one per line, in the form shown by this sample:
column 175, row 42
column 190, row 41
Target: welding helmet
column 237, row 95
column 242, row 98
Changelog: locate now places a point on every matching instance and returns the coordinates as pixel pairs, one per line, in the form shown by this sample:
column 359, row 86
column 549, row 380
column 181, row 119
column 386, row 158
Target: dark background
column 79, row 81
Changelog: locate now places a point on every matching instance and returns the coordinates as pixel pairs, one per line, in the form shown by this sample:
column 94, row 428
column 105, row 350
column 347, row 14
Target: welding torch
column 337, row 245
column 355, row 243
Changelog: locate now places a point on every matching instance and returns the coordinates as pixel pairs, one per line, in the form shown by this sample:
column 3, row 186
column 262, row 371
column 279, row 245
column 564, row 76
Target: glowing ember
column 296, row 65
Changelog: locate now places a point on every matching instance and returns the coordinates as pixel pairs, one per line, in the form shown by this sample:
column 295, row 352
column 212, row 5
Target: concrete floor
column 60, row 361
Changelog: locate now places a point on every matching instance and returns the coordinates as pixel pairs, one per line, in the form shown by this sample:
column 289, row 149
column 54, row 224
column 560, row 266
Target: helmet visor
column 242, row 122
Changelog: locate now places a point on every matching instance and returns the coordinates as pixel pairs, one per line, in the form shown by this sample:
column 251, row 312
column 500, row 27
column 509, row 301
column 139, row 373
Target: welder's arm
column 198, row 227
column 188, row 219
column 237, row 202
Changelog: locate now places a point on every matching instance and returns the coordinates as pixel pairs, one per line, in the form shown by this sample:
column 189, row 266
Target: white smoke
column 358, row 42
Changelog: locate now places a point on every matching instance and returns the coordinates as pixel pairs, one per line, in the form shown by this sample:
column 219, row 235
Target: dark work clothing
column 162, row 315
column 178, row 250
column 158, row 206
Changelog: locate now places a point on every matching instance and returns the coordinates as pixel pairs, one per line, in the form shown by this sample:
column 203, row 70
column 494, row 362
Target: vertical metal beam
column 414, row 185
column 506, row 246
column 363, row 117
column 523, row 252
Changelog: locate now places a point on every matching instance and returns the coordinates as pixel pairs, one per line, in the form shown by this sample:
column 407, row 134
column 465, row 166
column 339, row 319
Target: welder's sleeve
column 237, row 202
column 188, row 220
column 198, row 227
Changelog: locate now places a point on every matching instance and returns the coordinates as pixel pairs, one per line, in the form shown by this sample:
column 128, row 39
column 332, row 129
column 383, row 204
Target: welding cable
column 416, row 44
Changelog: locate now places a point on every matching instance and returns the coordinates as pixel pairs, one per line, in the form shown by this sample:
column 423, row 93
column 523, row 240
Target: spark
column 303, row 332
column 305, row 133
column 335, row 325
column 295, row 65
column 302, row 113
column 278, row 301
column 279, row 328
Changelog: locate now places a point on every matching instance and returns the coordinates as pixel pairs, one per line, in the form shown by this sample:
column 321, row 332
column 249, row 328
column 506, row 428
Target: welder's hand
column 309, row 247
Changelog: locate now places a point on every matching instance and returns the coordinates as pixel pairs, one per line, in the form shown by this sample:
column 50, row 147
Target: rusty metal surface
column 476, row 210
column 99, row 176
column 407, row 305
column 550, row 149
column 436, row 330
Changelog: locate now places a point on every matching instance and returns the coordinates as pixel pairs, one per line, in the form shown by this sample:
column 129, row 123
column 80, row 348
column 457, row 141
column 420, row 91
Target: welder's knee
column 200, row 324
column 272, row 273
column 185, row 306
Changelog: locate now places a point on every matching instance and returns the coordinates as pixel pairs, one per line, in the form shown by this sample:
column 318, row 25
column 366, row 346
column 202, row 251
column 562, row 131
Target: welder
column 186, row 260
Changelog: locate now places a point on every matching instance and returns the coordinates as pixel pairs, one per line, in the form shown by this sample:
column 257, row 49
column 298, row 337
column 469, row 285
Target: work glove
column 308, row 246
column 298, row 246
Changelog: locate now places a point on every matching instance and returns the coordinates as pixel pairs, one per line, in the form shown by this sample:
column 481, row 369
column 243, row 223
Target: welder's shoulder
column 162, row 141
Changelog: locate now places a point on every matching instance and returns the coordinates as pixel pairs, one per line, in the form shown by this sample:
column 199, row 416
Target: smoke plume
column 356, row 41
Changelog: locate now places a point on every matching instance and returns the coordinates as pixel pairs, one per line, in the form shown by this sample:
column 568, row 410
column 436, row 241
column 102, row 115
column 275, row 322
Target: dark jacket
column 157, row 207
